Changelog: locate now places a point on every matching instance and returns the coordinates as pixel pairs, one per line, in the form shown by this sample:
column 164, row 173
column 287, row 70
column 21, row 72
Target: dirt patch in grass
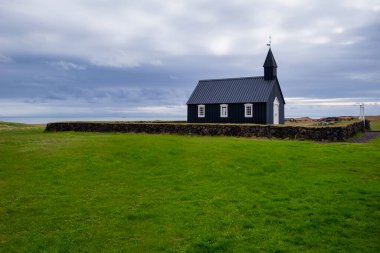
column 365, row 138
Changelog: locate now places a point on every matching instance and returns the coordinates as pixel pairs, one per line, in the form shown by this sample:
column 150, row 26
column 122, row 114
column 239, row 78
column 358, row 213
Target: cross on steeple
column 270, row 41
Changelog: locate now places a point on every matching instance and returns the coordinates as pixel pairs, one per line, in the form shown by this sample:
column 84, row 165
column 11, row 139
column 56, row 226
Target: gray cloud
column 141, row 54
column 4, row 59
column 68, row 65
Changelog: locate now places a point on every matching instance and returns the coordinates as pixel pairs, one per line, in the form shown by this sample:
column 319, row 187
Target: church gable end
column 238, row 100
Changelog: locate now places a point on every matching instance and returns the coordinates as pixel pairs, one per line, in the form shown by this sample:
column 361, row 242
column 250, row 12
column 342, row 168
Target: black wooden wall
column 235, row 114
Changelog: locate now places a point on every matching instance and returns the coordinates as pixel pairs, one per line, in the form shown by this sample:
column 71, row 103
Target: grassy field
column 315, row 124
column 375, row 122
column 91, row 192
column 12, row 126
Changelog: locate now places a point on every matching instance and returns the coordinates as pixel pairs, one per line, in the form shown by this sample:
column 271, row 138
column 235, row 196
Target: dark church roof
column 270, row 61
column 232, row 90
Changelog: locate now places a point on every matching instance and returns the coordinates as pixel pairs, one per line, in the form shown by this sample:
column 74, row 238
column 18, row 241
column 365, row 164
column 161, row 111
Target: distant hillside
column 12, row 126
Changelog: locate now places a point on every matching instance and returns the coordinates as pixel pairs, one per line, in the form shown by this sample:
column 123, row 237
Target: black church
column 257, row 100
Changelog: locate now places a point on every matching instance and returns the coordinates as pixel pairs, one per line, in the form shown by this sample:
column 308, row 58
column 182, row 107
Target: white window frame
column 246, row 106
column 200, row 107
column 221, row 111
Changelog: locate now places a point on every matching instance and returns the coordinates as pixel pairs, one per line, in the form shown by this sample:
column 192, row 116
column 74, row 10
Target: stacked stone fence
column 339, row 133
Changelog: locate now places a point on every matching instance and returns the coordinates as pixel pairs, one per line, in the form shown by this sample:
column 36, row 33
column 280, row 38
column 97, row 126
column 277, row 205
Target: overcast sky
column 120, row 58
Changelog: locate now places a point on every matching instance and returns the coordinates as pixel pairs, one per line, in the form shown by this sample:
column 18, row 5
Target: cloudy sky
column 121, row 58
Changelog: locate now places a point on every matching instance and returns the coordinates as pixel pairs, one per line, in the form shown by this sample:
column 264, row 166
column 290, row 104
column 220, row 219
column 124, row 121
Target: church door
column 276, row 111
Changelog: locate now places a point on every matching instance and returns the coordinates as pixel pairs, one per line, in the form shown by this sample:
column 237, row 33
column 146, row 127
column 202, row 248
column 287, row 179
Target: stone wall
column 267, row 131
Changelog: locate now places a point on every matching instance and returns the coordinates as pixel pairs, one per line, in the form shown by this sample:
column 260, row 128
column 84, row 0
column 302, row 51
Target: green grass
column 344, row 123
column 12, row 126
column 375, row 122
column 315, row 124
column 91, row 192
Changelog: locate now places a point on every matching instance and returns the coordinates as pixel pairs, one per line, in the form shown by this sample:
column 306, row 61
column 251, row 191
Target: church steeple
column 270, row 66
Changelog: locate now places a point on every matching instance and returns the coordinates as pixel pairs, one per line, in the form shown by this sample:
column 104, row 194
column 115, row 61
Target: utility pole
column 362, row 117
